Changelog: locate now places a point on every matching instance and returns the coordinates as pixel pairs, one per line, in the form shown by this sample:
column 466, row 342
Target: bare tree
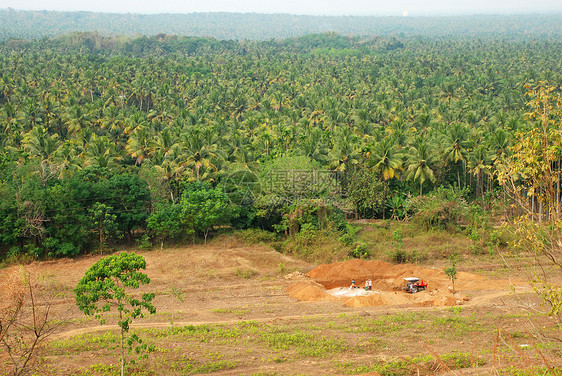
column 26, row 320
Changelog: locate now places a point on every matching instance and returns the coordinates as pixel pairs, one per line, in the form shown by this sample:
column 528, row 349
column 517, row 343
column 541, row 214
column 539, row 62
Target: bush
column 400, row 256
column 256, row 236
column 54, row 248
column 144, row 243
column 245, row 273
column 443, row 208
column 397, row 256
column 306, row 234
column 348, row 238
column 32, row 251
column 15, row 256
column 67, row 249
column 360, row 251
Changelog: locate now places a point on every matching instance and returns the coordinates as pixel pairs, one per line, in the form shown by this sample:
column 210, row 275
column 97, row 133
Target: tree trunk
column 122, row 345
column 558, row 193
column 383, row 200
column 458, row 176
column 482, row 191
column 100, row 229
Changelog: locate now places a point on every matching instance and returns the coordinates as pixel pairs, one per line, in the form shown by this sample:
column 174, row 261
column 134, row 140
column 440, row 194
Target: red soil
column 388, row 281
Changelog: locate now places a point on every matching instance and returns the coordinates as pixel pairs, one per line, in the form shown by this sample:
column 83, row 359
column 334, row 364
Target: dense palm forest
column 107, row 139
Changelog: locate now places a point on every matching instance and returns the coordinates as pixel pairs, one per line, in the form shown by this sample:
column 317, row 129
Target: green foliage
column 256, row 236
column 451, row 271
column 54, row 248
column 144, row 243
column 443, row 208
column 106, row 284
column 397, row 239
column 102, row 222
column 396, row 206
column 129, row 138
column 165, row 222
column 361, row 250
column 366, row 191
column 202, row 208
column 245, row 273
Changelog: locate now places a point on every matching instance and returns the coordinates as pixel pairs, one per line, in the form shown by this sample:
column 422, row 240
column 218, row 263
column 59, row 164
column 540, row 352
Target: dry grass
column 434, row 244
column 223, row 309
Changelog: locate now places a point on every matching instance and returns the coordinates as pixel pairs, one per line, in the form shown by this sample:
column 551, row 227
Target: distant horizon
column 330, row 8
column 393, row 14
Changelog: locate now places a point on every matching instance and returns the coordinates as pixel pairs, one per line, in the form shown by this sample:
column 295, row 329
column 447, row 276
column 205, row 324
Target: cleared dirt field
column 233, row 309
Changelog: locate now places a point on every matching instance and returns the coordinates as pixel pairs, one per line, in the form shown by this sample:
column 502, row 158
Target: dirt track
column 231, row 283
column 311, row 287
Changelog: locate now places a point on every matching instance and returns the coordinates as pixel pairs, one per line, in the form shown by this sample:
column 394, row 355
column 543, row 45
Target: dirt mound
column 297, row 276
column 332, row 281
column 308, row 291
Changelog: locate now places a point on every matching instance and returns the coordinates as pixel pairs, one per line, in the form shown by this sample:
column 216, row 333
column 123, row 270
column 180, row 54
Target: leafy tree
column 420, row 163
column 532, row 175
column 164, row 222
column 129, row 197
column 107, row 284
column 203, row 207
column 103, row 222
column 456, row 147
column 367, row 192
column 386, row 161
column 451, row 271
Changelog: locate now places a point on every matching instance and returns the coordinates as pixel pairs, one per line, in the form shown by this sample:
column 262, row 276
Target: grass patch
column 256, row 236
column 406, row 366
column 303, row 343
column 531, row 371
column 86, row 342
column 245, row 273
column 233, row 311
column 417, row 245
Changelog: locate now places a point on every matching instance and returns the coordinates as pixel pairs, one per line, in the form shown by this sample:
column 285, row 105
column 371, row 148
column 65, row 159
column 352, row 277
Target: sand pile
column 331, row 282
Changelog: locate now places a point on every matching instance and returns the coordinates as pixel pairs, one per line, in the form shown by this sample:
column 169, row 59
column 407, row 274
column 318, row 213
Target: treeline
column 250, row 26
column 162, row 44
column 97, row 139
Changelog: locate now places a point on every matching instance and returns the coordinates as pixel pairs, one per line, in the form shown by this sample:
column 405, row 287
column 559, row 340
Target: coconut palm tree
column 456, row 144
column 420, row 164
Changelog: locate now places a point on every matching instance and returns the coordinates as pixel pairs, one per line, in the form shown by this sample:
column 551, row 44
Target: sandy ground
column 331, row 282
column 197, row 285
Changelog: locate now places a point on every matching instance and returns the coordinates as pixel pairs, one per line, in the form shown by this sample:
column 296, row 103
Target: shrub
column 306, row 234
column 144, row 243
column 348, row 238
column 67, row 249
column 398, row 256
column 443, row 208
column 245, row 273
column 256, row 236
column 360, row 251
column 401, row 256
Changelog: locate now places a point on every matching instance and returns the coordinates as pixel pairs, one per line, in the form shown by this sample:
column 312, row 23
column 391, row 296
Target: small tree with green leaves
column 164, row 222
column 451, row 271
column 203, row 207
column 103, row 222
column 108, row 284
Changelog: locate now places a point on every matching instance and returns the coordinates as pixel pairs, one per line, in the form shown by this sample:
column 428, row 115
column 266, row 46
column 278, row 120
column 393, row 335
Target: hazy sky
column 316, row 7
